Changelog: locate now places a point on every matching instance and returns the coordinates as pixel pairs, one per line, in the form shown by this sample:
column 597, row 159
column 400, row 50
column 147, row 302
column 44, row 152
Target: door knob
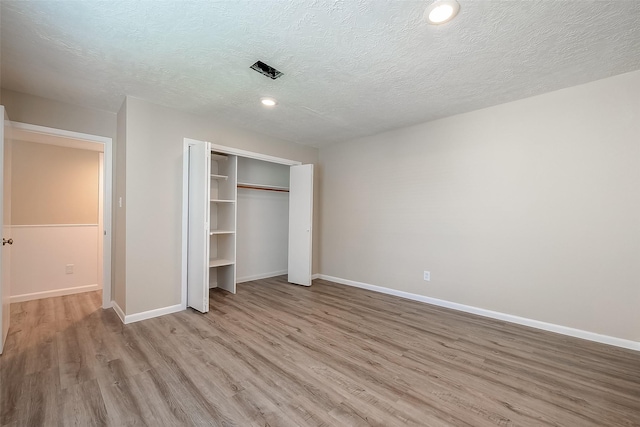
column 7, row 242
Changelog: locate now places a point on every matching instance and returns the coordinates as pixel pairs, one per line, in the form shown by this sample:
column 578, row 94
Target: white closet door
column 198, row 246
column 300, row 224
column 5, row 219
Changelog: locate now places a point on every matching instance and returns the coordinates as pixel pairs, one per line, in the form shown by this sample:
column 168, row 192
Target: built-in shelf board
column 220, row 262
column 213, row 176
column 250, row 186
column 215, row 156
column 222, row 201
column 212, row 232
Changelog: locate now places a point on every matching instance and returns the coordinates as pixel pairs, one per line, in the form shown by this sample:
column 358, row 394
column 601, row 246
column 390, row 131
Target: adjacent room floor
column 282, row 355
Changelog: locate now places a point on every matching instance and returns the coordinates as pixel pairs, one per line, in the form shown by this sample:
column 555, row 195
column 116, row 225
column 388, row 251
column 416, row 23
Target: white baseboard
column 54, row 293
column 118, row 311
column 559, row 329
column 316, row 276
column 136, row 317
column 260, row 276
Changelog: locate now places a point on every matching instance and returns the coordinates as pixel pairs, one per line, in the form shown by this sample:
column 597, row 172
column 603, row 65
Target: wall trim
column 54, row 293
column 260, row 276
column 251, row 154
column 136, row 317
column 51, row 225
column 60, row 132
column 118, row 311
column 316, row 276
column 551, row 327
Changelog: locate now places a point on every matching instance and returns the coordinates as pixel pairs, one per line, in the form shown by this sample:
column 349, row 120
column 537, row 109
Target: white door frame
column 185, row 192
column 107, row 194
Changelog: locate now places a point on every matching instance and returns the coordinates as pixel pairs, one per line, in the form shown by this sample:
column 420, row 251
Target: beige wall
column 54, row 185
column 530, row 208
column 153, row 202
column 1, row 58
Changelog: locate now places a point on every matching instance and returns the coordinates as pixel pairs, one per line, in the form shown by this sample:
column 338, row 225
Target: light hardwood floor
column 283, row 355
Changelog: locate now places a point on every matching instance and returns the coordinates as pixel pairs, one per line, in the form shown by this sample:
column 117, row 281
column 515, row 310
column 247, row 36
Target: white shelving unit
column 212, row 223
column 222, row 221
column 220, row 262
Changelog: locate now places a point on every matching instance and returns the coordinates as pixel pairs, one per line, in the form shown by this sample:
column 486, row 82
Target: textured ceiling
column 351, row 68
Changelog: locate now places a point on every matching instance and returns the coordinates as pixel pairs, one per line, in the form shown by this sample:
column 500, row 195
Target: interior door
column 300, row 224
column 5, row 222
column 198, row 226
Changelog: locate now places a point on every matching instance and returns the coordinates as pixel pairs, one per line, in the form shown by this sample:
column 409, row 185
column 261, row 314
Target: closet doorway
column 246, row 216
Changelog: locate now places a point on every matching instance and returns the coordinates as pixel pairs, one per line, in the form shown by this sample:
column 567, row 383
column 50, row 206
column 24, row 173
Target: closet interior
column 263, row 219
column 239, row 221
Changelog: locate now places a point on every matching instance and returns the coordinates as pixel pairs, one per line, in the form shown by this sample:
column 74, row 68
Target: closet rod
column 253, row 187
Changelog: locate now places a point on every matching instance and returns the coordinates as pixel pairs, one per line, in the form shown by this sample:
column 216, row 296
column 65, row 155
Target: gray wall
column 35, row 110
column 530, row 208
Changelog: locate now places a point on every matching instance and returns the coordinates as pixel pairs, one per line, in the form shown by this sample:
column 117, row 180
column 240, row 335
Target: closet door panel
column 300, row 224
column 198, row 247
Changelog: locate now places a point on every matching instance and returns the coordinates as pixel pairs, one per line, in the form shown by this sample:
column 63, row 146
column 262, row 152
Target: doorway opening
column 71, row 233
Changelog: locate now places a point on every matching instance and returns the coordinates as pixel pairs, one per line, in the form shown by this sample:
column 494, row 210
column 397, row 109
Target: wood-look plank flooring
column 282, row 355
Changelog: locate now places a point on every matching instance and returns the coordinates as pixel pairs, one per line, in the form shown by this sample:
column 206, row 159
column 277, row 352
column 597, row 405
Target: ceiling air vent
column 266, row 70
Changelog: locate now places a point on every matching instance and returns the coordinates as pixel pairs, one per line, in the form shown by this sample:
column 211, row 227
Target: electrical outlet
column 69, row 269
column 427, row 276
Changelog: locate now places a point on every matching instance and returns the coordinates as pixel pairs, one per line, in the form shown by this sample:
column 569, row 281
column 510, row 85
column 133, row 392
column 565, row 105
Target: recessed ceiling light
column 268, row 102
column 441, row 11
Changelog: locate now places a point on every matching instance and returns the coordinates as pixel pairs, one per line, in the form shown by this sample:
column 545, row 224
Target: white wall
column 262, row 242
column 40, row 255
column 530, row 208
column 153, row 199
column 262, row 234
column 254, row 171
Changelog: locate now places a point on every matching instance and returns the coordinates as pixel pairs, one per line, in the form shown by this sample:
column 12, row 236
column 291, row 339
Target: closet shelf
column 222, row 201
column 213, row 176
column 219, row 262
column 250, row 186
column 212, row 232
column 215, row 156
